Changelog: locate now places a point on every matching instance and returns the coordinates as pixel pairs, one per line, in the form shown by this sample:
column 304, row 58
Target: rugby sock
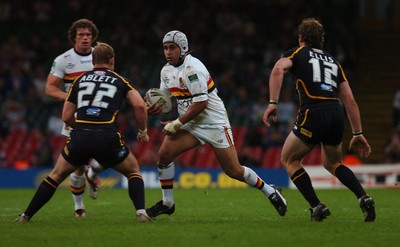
column 252, row 179
column 136, row 190
column 347, row 177
column 303, row 183
column 94, row 169
column 166, row 176
column 77, row 187
column 43, row 194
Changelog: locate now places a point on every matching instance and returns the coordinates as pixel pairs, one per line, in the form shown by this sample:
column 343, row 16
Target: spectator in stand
column 43, row 156
column 396, row 109
column 287, row 109
column 392, row 148
column 274, row 136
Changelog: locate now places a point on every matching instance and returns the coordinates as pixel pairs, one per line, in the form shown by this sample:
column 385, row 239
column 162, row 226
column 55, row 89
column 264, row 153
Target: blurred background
column 238, row 40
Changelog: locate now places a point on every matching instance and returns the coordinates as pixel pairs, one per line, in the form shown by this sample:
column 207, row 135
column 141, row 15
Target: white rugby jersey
column 191, row 82
column 70, row 65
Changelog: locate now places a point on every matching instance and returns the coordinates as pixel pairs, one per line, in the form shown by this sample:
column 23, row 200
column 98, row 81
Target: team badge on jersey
column 181, row 83
column 193, row 78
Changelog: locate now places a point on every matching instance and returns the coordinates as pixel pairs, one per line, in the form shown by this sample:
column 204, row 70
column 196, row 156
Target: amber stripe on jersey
column 182, row 93
column 72, row 76
column 308, row 93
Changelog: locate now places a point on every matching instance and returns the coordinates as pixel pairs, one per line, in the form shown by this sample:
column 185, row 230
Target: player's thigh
column 294, row 149
column 176, row 144
column 331, row 156
column 61, row 170
column 229, row 162
column 128, row 166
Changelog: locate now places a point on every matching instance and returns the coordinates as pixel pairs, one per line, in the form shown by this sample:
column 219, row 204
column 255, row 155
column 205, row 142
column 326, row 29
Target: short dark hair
column 312, row 32
column 82, row 23
column 102, row 53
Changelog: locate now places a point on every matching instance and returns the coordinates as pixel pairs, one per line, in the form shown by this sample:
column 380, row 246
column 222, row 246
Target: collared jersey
column 98, row 95
column 191, row 82
column 70, row 65
column 318, row 75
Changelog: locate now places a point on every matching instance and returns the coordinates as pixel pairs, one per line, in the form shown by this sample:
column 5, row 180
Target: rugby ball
column 159, row 97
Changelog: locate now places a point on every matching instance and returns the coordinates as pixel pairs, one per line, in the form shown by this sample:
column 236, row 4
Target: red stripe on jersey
column 74, row 75
column 176, row 91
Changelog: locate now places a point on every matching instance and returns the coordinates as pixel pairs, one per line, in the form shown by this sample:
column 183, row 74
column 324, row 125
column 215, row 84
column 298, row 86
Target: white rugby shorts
column 216, row 136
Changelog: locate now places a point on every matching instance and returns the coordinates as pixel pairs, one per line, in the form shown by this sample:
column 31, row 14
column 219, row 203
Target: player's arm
column 140, row 113
column 353, row 113
column 275, row 83
column 53, row 87
column 68, row 113
column 193, row 111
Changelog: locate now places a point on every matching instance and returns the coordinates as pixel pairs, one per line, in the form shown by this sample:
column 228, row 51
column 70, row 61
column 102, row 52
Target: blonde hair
column 102, row 53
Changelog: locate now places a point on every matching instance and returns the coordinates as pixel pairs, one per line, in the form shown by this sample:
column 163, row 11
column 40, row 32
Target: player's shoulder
column 66, row 54
column 192, row 63
column 191, row 60
column 290, row 53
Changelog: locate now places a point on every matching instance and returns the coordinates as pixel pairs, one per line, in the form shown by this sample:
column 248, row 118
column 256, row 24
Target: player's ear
column 301, row 39
column 112, row 63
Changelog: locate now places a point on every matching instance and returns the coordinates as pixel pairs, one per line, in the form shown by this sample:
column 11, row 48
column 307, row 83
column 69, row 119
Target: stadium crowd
column 239, row 41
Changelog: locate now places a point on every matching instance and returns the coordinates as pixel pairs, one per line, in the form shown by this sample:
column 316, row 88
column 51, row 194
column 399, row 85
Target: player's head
column 179, row 39
column 103, row 54
column 312, row 33
column 82, row 23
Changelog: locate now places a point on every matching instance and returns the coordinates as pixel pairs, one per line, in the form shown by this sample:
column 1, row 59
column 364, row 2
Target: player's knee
column 235, row 173
column 165, row 157
column 77, row 180
column 331, row 167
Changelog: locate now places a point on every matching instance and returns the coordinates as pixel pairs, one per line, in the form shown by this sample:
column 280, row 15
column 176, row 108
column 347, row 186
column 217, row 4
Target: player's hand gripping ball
column 158, row 96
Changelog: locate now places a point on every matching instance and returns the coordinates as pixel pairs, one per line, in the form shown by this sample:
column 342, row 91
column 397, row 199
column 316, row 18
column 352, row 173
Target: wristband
column 142, row 133
column 273, row 102
column 359, row 133
column 173, row 126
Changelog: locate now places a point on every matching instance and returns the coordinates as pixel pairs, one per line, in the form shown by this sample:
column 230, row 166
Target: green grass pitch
column 203, row 217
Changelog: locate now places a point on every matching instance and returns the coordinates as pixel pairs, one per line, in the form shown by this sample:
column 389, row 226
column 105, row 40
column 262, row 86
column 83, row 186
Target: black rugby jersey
column 318, row 76
column 98, row 95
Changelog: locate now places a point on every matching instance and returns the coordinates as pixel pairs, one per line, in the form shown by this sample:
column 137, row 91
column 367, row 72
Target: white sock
column 79, row 183
column 166, row 176
column 252, row 179
column 141, row 211
column 94, row 169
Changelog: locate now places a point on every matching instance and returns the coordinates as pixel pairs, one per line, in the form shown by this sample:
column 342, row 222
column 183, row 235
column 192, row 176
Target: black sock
column 136, row 190
column 43, row 194
column 347, row 177
column 303, row 183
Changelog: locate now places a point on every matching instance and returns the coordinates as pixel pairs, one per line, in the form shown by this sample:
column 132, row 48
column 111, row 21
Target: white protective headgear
column 179, row 39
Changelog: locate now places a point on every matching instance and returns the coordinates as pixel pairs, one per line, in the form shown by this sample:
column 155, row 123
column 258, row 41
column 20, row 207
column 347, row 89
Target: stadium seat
column 186, row 159
column 239, row 134
column 57, row 143
column 272, row 157
column 205, row 157
column 313, row 158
